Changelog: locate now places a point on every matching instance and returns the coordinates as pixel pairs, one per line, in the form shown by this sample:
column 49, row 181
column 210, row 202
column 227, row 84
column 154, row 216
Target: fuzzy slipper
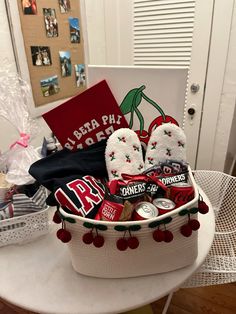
column 123, row 154
column 167, row 142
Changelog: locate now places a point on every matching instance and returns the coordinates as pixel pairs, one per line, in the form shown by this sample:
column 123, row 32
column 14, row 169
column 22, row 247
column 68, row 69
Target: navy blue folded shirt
column 70, row 176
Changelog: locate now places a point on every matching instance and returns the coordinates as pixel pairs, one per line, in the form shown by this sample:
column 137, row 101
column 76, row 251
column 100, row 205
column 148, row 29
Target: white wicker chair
column 220, row 264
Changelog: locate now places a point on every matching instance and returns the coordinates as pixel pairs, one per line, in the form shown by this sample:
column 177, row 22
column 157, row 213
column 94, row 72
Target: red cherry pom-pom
column 194, row 224
column 133, row 243
column 168, row 236
column 59, row 232
column 186, row 230
column 56, row 218
column 158, row 235
column 98, row 241
column 202, row 207
column 65, row 236
column 88, row 238
column 122, row 244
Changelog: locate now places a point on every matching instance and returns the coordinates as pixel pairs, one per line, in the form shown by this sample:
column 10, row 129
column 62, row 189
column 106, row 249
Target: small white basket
column 150, row 257
column 24, row 228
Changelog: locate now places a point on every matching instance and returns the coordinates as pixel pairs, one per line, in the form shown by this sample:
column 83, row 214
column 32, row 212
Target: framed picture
column 64, row 6
column 41, row 55
column 80, row 74
column 50, row 20
column 74, row 30
column 50, row 51
column 65, row 63
column 29, row 7
column 50, row 86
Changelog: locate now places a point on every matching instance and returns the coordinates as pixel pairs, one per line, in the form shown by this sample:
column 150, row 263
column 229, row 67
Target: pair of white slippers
column 124, row 152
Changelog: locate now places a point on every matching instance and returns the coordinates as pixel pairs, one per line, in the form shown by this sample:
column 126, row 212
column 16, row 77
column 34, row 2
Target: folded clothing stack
column 61, row 172
column 22, row 200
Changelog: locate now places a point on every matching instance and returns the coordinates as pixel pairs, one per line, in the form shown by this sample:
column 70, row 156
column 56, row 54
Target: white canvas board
column 165, row 86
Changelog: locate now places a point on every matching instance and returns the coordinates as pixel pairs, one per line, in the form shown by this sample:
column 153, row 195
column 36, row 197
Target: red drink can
column 164, row 205
column 181, row 193
column 145, row 210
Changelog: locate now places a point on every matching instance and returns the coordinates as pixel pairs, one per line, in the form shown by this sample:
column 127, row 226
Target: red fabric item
column 86, row 118
column 143, row 178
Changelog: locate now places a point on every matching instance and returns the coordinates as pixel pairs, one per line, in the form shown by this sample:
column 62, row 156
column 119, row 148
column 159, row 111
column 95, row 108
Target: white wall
column 231, row 151
column 225, row 137
column 109, row 38
column 95, row 31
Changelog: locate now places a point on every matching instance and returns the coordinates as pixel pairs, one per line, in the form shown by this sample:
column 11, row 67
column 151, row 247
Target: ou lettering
column 86, row 190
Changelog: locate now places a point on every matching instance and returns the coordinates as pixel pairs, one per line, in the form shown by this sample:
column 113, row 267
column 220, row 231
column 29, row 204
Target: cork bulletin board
column 53, row 42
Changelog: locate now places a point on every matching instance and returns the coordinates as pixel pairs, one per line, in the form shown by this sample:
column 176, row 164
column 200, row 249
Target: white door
column 160, row 33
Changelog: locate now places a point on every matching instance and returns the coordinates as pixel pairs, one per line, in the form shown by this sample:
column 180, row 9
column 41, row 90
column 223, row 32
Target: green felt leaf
column 71, row 220
column 154, row 224
column 132, row 100
column 134, row 227
column 62, row 217
column 120, row 228
column 88, row 225
column 183, row 212
column 167, row 220
column 193, row 210
column 101, row 227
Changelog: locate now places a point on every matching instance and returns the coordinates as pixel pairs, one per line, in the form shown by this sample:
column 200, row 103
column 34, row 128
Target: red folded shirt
column 87, row 118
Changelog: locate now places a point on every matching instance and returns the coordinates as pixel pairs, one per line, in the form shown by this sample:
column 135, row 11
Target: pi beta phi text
column 93, row 131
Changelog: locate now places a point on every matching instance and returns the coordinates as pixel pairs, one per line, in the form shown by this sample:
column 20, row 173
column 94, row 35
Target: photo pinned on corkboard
column 74, row 30
column 29, row 7
column 80, row 75
column 65, row 62
column 50, row 21
column 50, row 86
column 64, row 6
column 41, row 55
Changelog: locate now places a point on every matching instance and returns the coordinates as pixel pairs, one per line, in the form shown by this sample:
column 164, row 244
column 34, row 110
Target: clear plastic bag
column 14, row 96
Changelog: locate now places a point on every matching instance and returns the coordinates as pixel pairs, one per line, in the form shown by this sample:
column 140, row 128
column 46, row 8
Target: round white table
column 38, row 276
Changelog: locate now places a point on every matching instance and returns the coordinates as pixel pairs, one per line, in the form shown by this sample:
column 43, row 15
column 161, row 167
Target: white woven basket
column 24, row 228
column 150, row 257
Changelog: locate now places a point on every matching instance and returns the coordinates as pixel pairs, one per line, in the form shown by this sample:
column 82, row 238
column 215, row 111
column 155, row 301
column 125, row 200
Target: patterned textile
column 25, row 205
column 123, row 154
column 6, row 210
column 167, row 142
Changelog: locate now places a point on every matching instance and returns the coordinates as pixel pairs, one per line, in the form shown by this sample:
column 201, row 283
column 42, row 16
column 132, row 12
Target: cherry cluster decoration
column 92, row 236
column 193, row 224
column 128, row 240
column 202, row 206
column 160, row 235
column 62, row 234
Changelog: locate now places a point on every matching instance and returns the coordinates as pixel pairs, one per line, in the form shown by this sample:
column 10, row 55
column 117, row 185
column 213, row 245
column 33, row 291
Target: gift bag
column 14, row 95
column 23, row 209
